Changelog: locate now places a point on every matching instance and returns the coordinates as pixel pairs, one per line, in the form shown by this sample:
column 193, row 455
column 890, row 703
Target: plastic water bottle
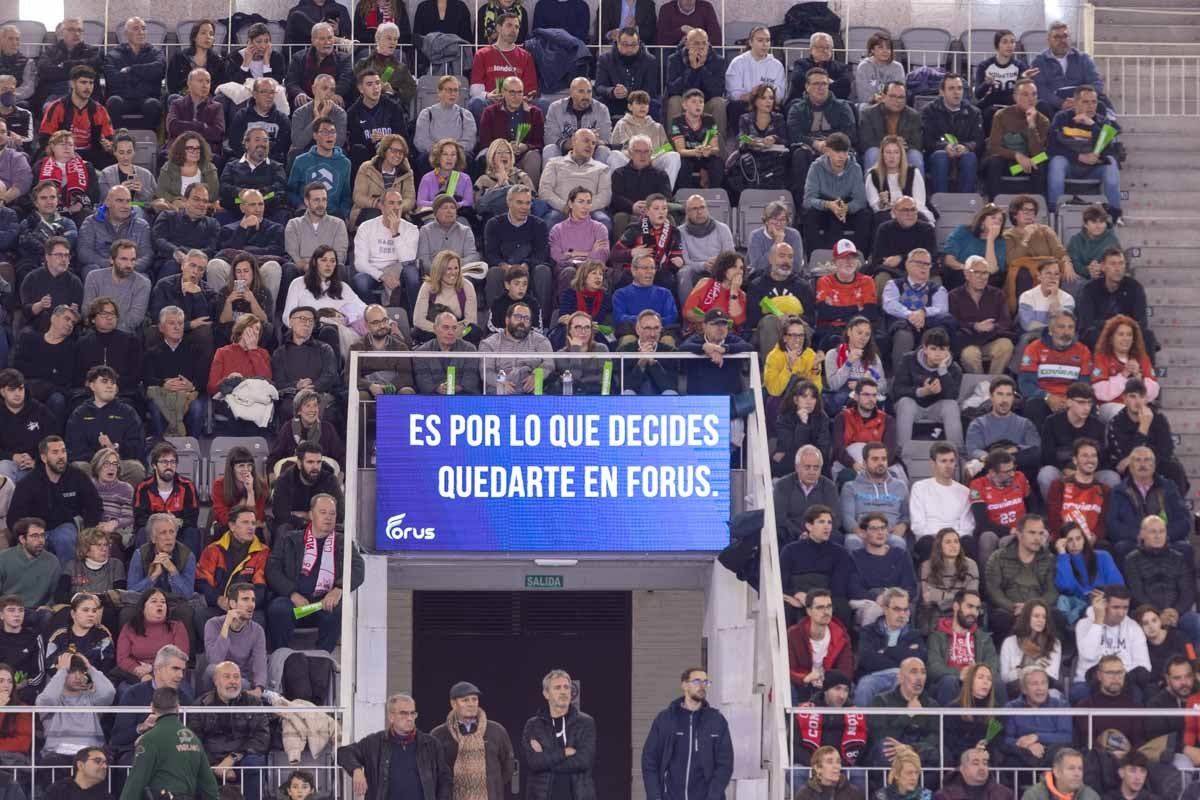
column 568, row 383
column 501, row 382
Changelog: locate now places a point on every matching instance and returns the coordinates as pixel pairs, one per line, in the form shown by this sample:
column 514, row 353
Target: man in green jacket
column 919, row 732
column 956, row 645
column 1064, row 781
column 169, row 757
column 1020, row 572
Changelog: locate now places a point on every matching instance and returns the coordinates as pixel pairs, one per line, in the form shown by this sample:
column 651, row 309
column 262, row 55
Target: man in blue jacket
column 133, row 74
column 878, row 658
column 712, row 374
column 1032, row 741
column 688, row 754
column 1143, row 493
column 1052, row 75
column 1074, row 134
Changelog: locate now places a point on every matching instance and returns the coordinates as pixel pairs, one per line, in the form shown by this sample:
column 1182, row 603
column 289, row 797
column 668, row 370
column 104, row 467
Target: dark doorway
column 504, row 642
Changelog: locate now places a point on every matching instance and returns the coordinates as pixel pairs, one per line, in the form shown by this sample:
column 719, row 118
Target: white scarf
column 325, row 576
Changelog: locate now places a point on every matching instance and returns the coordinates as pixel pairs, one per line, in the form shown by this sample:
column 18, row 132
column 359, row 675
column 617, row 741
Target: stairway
column 1149, row 28
column 1162, row 215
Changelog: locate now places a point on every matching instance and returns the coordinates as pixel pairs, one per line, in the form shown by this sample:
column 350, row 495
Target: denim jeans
column 10, row 470
column 873, row 684
column 939, row 173
column 61, row 541
column 193, row 420
column 1106, row 172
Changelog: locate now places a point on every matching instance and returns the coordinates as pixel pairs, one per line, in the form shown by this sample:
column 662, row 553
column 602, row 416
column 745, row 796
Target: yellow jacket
column 776, row 374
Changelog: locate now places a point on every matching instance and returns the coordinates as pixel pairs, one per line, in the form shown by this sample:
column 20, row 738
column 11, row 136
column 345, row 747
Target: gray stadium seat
column 1032, row 43
column 145, row 149
column 924, row 46
column 969, row 381
column 738, row 30
column 32, row 35
column 1003, row 200
column 979, row 43
column 156, row 32
column 820, row 262
column 719, row 207
column 94, row 33
column 184, row 31
column 400, row 317
column 953, row 210
column 856, row 41
column 218, row 452
column 751, row 205
column 191, row 465
column 1070, row 215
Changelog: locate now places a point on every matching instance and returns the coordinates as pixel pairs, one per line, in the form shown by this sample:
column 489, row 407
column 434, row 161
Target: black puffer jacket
column 543, row 766
column 222, row 734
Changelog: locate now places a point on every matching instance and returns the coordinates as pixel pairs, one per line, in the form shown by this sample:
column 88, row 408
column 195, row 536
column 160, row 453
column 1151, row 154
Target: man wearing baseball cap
column 713, row 374
column 843, row 294
column 477, row 750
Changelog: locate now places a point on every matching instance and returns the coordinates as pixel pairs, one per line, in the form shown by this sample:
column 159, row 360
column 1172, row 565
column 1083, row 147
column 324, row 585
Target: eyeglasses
column 168, row 462
column 877, row 528
column 705, row 682
column 922, row 264
column 581, row 327
column 192, row 148
column 523, row 318
column 106, row 313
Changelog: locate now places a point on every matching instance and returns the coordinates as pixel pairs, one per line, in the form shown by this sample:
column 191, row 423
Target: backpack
column 803, row 20
column 923, row 81
column 747, row 169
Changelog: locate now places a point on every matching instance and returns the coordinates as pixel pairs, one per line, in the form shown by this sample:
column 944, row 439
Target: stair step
column 1164, row 260
column 1148, row 160
column 1154, row 125
column 1159, row 203
column 1186, row 422
column 1177, row 358
column 1157, row 179
column 1179, row 400
column 1140, row 50
column 1163, row 28
column 1161, row 297
column 1160, row 276
column 1171, row 336
column 1151, row 4
column 1175, row 317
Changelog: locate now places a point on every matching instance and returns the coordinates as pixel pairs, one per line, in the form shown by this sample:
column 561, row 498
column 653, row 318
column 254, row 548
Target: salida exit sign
column 543, row 582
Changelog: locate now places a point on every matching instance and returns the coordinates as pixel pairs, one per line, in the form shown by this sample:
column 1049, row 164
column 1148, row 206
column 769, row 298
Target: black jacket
column 169, row 292
column 1097, row 304
column 912, row 373
column 792, row 434
column 1058, row 439
column 21, row 432
column 283, row 566
column 162, row 363
column 640, row 73
column 117, row 419
column 314, row 359
column 630, row 185
column 712, row 750
column 293, row 494
column 839, row 73
column 268, row 177
column 222, row 734
column 175, row 230
column 264, row 240
column 275, row 123
column 56, row 503
column 966, row 125
column 1161, row 577
column 663, row 373
column 1123, row 434
column 117, row 349
column 373, row 752
column 543, row 766
column 54, row 67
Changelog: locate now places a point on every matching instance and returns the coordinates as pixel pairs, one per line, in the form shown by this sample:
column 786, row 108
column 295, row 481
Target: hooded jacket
column 863, row 496
column 712, row 753
column 823, row 184
column 579, row 731
column 965, row 124
column 332, row 170
column 913, row 372
column 710, row 78
column 838, row 656
column 983, row 649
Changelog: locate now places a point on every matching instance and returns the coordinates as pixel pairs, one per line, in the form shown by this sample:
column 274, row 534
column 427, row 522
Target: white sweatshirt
column 932, row 507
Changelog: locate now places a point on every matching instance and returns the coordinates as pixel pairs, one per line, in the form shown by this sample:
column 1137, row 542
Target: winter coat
column 373, row 753
column 542, row 767
column 712, row 752
column 874, row 653
column 497, row 748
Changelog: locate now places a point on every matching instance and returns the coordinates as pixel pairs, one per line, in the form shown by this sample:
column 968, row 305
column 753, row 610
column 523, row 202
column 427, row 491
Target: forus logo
column 396, row 530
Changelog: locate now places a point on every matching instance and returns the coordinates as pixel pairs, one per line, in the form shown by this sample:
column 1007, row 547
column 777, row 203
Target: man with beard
column 1002, row 428
column 23, row 422
column 957, row 644
column 298, row 484
column 477, row 749
column 23, row 648
column 511, row 371
column 383, row 376
column 166, row 491
column 89, row 782
column 79, row 113
column 1111, row 689
column 846, row 734
column 1180, row 686
column 1050, row 365
column 875, row 490
column 255, row 170
column 688, row 751
column 130, row 290
column 701, row 237
column 313, row 228
column 56, row 493
column 106, row 421
column 781, row 280
column 859, row 425
column 998, row 496
column 27, row 570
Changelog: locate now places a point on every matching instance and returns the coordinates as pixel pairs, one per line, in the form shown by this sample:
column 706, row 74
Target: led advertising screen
column 564, row 474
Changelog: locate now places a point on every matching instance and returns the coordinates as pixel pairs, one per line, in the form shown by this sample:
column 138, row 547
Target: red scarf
column 73, row 176
column 854, row 733
column 591, row 302
column 660, row 244
column 325, row 576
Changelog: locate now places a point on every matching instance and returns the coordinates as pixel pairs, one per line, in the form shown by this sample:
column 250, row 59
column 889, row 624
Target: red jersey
column 492, row 64
column 1068, row 501
column 88, row 124
column 1057, row 369
column 1004, row 505
column 856, row 294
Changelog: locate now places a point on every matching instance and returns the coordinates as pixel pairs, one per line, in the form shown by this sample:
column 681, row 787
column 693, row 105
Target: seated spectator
column 196, row 111
column 502, row 59
column 966, row 732
column 516, row 289
column 22, row 648
column 308, row 115
column 1018, row 573
column 701, row 237
column 236, row 557
column 500, row 174
column 384, row 246
column 1163, row 576
column 1051, row 364
column 1178, row 684
column 240, row 360
column 713, row 375
column 1061, row 434
column 884, row 647
column 1113, row 689
column 944, row 574
column 892, row 736
column 513, row 372
column 455, row 20
column 166, row 491
column 240, row 484
column 23, row 422
column 874, row 490
column 373, row 115
column 889, row 179
column 202, row 53
column 433, row 376
column 630, row 301
column 1107, row 630
column 574, row 112
column 877, row 566
column 1137, row 424
column 776, row 229
column 445, row 119
column 447, row 176
column 172, row 374
column 860, row 423
column 1037, row 741
column 77, row 109
column 1036, row 306
column 628, row 66
column 577, row 238
column 57, row 493
column 1060, row 66
column 55, row 61
column 18, row 131
column 835, row 201
column 817, row 644
column 299, row 483
column 959, row 151
column 297, row 584
column 585, row 294
column 1002, row 429
column 315, row 227
column 301, row 361
column 696, row 65
column 578, row 168
column 116, row 498
column 323, row 163
column 1113, row 292
column 245, row 184
column 233, row 740
column 815, row 113
column 873, row 73
column 890, row 113
column 648, row 375
column 107, row 345
column 1019, row 134
column 722, row 290
column 1089, row 244
column 503, row 120
column 126, row 293
column 983, row 236
column 762, row 126
column 983, row 326
column 43, row 222
column 16, row 730
column 83, row 635
column 247, row 291
column 106, row 421
column 996, row 75
column 50, row 286
column 656, row 234
column 826, row 778
column 320, row 58
column 794, row 494
column 942, row 502
column 636, row 123
column 697, row 139
column 95, row 570
column 76, row 682
column 791, row 357
column 845, row 296
column 1142, row 493
column 1082, row 570
column 388, row 169
column 820, row 56
column 189, row 161
column 1166, row 646
column 444, row 232
column 170, row 665
column 383, row 375
column 133, row 71
column 801, row 422
column 896, row 238
column 167, row 564
column 236, row 635
column 146, row 632
column 926, row 386
column 306, row 425
column 956, row 644
column 27, row 570
column 814, row 561
column 137, row 179
column 776, row 295
column 264, row 114
column 1034, row 644
column 445, row 289
column 75, row 180
column 972, row 778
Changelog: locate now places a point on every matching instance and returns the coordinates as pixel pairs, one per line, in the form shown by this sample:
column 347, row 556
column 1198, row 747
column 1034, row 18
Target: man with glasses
column 1112, row 686
column 1060, row 65
column 190, row 228
column 648, row 375
column 884, row 646
column 324, row 163
column 28, row 570
column 50, row 286
column 1050, row 365
column 133, row 74
column 383, row 376
column 646, row 175
column 302, row 361
column 503, row 119
column 405, row 760
column 91, row 774
column 688, row 751
column 893, row 115
column 983, row 330
column 1019, row 133
column 628, row 67
column 877, row 566
column 998, row 496
column 915, row 306
column 904, row 233
column 261, row 114
column 517, row 350
column 55, row 63
column 820, row 56
column 815, row 113
column 255, row 170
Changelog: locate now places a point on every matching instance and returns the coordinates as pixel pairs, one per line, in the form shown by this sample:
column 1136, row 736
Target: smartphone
column 239, row 285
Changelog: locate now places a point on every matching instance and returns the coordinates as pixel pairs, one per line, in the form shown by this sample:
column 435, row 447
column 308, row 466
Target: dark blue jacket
column 134, row 76
column 806, row 557
column 1127, row 509
column 268, row 177
column 275, row 123
column 175, row 230
column 124, row 730
column 705, row 377
column 710, row 78
column 572, row 16
column 265, row 240
column 387, row 117
column 875, row 655
column 1081, row 69
column 712, row 748
column 10, row 228
column 504, row 243
column 642, row 74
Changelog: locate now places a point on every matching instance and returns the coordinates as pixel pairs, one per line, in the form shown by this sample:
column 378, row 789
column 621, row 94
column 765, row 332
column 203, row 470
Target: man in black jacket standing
column 420, row 767
column 688, row 753
column 559, row 744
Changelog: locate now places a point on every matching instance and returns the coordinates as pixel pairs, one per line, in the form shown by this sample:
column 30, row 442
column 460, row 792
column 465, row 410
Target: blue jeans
column 61, row 541
column 915, row 159
column 193, row 420
column 939, row 173
column 1107, row 172
column 873, row 684
column 366, row 287
column 10, row 470
column 1189, row 623
column 553, row 217
column 281, row 623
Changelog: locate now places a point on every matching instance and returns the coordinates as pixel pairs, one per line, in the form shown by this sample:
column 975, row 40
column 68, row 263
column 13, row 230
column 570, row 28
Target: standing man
column 476, row 749
column 688, row 752
column 169, row 757
column 410, row 761
column 559, row 745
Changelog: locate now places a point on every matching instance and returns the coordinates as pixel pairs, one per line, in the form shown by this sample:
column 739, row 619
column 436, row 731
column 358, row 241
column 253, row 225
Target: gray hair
column 1025, row 672
column 171, row 311
column 129, row 22
column 196, row 252
column 387, row 27
column 1063, row 312
column 640, row 138
column 1141, row 448
column 809, row 450
column 397, row 697
column 820, row 37
column 890, row 594
column 269, row 81
column 198, row 70
column 161, row 516
column 551, row 676
column 775, row 208
column 517, row 189
column 166, row 653
column 1061, row 756
column 649, row 312
column 321, row 25
column 324, row 77
column 916, row 251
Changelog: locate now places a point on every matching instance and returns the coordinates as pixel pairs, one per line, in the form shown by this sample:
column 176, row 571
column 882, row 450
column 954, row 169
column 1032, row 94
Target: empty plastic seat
column 980, row 45
column 156, row 32
column 925, row 46
column 94, row 33
column 719, row 207
column 1032, row 43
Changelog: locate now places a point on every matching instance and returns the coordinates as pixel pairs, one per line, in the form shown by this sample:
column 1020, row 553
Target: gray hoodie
column 863, row 496
column 562, row 120
column 439, row 122
column 822, row 184
column 69, row 733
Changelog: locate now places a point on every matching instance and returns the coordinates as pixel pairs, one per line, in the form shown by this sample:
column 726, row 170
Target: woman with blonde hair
column 891, row 178
column 116, row 497
column 904, row 778
column 500, row 172
column 389, row 169
column 445, row 289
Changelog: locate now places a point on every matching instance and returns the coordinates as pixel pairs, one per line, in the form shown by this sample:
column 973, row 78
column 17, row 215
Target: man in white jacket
column 1107, row 630
column 748, row 70
column 382, row 246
